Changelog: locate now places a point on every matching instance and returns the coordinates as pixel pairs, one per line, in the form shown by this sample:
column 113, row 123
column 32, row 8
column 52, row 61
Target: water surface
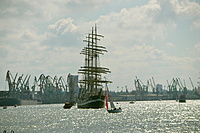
column 142, row 116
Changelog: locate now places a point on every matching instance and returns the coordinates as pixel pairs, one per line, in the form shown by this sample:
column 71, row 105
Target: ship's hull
column 67, row 105
column 182, row 101
column 94, row 102
column 53, row 101
column 11, row 101
column 114, row 111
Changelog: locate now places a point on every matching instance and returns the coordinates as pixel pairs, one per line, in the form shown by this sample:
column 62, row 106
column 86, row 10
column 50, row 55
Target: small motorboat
column 132, row 102
column 4, row 107
column 67, row 105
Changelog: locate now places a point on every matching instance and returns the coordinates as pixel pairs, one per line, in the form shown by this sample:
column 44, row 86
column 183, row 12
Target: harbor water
column 142, row 116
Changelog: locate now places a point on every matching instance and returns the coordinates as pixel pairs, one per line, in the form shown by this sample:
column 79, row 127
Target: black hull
column 93, row 102
column 12, row 101
column 182, row 101
column 9, row 101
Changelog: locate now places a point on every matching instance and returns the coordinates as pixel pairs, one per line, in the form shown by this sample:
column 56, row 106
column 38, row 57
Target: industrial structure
column 176, row 88
column 153, row 91
column 45, row 89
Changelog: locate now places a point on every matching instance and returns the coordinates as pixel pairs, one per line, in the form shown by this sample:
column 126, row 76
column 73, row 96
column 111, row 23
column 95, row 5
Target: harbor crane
column 141, row 89
column 194, row 88
column 173, row 89
column 18, row 87
column 45, row 89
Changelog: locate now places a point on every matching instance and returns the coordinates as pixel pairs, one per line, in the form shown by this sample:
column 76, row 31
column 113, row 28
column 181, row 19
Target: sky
column 144, row 38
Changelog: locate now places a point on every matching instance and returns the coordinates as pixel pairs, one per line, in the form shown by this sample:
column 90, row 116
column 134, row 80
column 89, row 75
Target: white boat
column 114, row 111
column 112, row 108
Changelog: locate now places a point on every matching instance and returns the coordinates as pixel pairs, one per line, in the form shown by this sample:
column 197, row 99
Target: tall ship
column 91, row 93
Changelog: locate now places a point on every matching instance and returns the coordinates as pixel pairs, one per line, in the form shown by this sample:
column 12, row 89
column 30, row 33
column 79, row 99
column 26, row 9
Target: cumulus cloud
column 197, row 47
column 135, row 24
column 186, row 7
column 170, row 44
column 196, row 25
column 62, row 26
column 62, row 32
column 17, row 15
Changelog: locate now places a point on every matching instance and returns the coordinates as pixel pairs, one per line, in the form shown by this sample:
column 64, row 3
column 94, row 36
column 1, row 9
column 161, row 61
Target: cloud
column 170, row 44
column 36, row 59
column 196, row 25
column 186, row 7
column 197, row 47
column 85, row 5
column 62, row 32
column 62, row 26
column 135, row 24
column 145, row 61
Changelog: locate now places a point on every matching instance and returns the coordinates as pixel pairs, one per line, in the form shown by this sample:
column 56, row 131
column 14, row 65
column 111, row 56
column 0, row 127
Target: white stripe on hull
column 90, row 102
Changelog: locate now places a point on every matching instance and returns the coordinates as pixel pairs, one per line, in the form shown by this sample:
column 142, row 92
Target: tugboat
column 91, row 89
column 182, row 99
column 67, row 105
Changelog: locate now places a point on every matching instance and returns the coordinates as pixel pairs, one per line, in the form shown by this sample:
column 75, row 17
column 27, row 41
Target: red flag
column 106, row 97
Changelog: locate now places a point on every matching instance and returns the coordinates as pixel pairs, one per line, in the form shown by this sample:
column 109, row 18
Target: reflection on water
column 142, row 116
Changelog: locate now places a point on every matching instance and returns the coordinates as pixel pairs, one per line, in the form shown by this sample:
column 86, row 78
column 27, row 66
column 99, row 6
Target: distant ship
column 91, row 85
